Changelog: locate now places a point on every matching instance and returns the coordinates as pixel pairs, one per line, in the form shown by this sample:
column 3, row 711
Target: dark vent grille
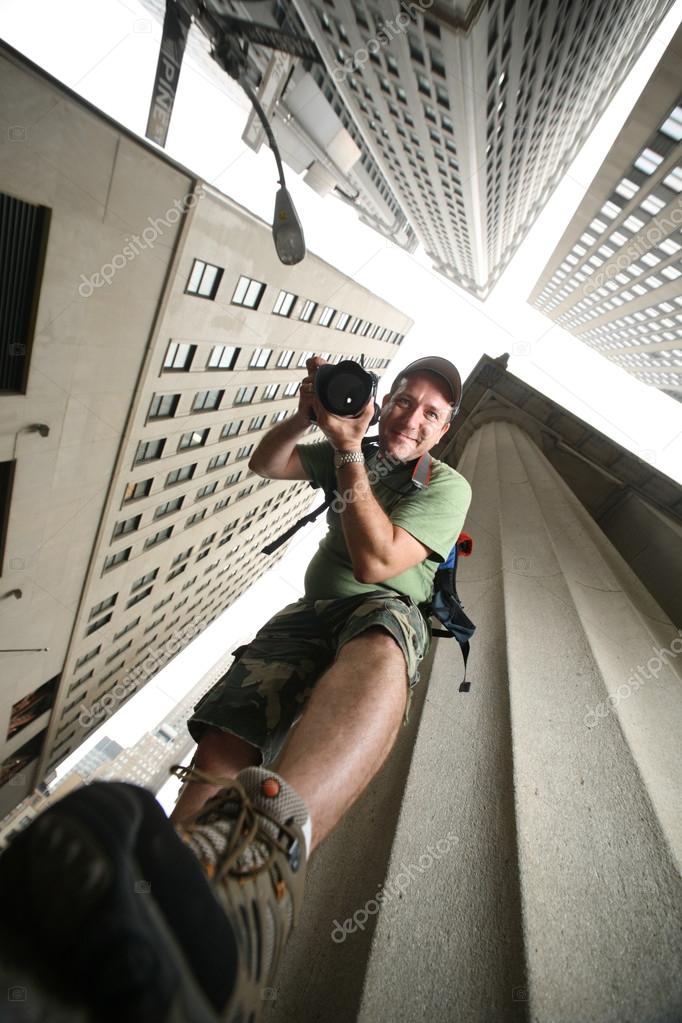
column 23, row 230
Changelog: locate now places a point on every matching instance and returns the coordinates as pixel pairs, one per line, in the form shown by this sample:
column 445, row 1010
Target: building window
column 128, row 628
column 178, row 475
column 245, row 395
column 257, row 423
column 223, row 357
column 279, row 416
column 169, row 506
column 244, row 452
column 23, row 228
column 207, row 401
column 218, row 460
column 86, row 657
column 204, row 279
column 260, row 358
column 193, row 439
column 175, row 572
column 139, row 596
column 127, row 525
column 163, row 406
column 270, row 392
column 179, row 356
column 284, row 304
column 292, row 388
column 139, row 489
column 648, row 160
column 117, row 559
column 248, row 293
column 148, row 577
column 98, row 625
column 307, row 311
column 342, row 321
column 284, row 358
column 232, row 428
column 303, row 358
column 181, row 557
column 103, row 605
column 326, row 316
column 157, row 538
column 206, row 490
column 149, row 450
column 193, row 519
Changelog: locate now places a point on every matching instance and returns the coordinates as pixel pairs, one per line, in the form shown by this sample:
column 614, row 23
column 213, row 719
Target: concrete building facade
column 615, row 278
column 162, row 337
column 518, row 857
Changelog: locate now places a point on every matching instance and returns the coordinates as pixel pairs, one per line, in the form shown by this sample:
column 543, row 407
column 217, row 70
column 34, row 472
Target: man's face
column 414, row 417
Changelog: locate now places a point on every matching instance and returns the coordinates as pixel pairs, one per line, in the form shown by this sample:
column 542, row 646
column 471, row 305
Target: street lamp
column 226, row 33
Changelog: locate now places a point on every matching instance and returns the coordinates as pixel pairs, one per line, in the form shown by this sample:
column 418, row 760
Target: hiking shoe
column 250, row 839
column 107, row 905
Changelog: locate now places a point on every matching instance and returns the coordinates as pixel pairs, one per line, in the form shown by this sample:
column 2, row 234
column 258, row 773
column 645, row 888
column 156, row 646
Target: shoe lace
column 246, row 830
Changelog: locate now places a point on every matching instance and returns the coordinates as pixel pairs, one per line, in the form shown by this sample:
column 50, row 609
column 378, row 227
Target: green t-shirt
column 434, row 516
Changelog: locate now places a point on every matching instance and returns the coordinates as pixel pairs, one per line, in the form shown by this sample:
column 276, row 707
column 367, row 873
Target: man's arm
column 379, row 550
column 276, row 456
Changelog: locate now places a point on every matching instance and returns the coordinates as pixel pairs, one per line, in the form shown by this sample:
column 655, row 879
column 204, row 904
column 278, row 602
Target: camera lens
column 344, row 389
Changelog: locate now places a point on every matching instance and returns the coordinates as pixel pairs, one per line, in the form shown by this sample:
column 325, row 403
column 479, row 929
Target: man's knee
column 217, row 747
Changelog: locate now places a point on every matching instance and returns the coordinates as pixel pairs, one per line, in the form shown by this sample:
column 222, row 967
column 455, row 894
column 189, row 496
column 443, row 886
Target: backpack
column 444, row 604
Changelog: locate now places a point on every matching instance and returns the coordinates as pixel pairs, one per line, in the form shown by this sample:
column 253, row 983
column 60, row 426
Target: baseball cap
column 444, row 369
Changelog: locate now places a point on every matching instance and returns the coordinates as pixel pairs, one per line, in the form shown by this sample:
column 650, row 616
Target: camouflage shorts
column 263, row 692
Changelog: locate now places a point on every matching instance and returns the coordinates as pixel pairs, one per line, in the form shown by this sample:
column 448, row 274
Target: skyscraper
column 473, row 111
column 615, row 278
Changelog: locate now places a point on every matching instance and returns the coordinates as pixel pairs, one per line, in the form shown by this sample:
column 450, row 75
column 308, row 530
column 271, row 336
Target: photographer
column 345, row 657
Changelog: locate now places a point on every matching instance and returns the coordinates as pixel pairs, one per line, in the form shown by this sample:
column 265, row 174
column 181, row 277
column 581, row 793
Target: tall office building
column 152, row 338
column 614, row 279
column 473, row 111
column 146, row 762
column 315, row 133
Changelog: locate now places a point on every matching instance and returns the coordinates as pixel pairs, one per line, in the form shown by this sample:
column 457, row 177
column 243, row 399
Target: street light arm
column 246, row 86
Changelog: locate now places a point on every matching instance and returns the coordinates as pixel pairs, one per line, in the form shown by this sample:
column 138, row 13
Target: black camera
column 345, row 389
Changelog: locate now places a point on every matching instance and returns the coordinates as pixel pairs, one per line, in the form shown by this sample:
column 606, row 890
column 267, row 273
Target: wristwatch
column 345, row 457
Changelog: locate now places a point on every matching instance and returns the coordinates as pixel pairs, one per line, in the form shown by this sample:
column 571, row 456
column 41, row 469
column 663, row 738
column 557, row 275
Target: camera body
column 345, row 388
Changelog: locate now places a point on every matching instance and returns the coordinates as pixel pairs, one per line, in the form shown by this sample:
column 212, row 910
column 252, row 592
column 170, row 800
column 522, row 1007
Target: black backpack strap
column 310, row 517
column 369, row 446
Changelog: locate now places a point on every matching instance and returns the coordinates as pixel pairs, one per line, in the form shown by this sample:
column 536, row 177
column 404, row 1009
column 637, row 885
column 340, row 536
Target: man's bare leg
column 219, row 753
column 348, row 728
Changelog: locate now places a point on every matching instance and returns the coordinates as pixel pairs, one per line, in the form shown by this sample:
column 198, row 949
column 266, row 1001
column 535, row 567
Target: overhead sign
column 175, row 28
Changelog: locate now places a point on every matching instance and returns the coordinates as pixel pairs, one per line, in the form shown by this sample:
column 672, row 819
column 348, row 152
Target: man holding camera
column 339, row 664
column 345, row 658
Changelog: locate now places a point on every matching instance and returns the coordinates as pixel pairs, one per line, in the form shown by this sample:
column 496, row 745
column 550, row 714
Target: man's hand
column 306, row 398
column 343, row 432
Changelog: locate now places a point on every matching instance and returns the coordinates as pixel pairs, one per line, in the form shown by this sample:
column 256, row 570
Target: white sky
column 107, row 52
